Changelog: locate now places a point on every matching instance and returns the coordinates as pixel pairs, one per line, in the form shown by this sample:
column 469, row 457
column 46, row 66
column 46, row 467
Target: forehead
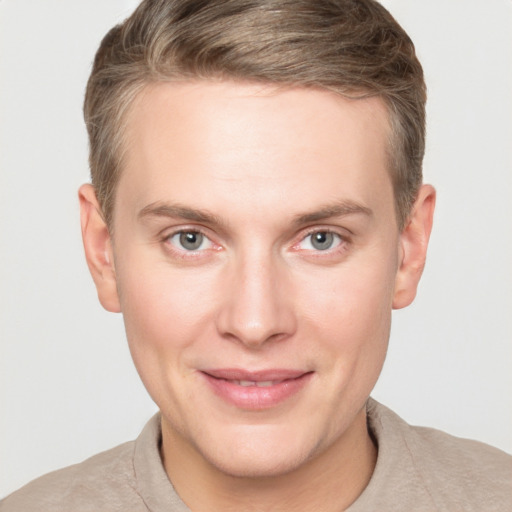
column 252, row 144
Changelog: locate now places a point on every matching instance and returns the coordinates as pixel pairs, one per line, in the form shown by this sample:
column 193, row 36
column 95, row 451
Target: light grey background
column 67, row 385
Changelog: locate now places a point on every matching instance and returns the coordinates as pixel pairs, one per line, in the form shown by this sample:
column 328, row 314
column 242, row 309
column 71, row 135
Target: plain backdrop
column 67, row 385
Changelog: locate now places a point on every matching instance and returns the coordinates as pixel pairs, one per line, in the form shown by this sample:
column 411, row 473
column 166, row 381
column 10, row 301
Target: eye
column 190, row 241
column 320, row 241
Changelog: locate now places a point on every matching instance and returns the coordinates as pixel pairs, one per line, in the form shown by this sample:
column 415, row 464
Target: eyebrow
column 177, row 211
column 337, row 209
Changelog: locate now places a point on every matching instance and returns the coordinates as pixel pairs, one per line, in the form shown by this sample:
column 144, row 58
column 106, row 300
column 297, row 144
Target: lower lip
column 253, row 397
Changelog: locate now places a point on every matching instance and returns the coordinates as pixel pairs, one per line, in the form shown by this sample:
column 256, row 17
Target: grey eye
column 322, row 240
column 191, row 240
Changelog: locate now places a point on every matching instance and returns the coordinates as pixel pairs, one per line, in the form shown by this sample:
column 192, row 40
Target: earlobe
column 413, row 247
column 98, row 248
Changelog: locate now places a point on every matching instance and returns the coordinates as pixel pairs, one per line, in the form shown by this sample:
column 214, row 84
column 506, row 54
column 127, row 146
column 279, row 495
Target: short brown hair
column 352, row 47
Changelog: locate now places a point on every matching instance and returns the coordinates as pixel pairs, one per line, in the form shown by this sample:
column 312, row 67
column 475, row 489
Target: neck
column 331, row 481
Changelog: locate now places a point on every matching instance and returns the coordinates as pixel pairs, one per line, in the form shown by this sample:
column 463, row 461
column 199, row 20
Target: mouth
column 256, row 390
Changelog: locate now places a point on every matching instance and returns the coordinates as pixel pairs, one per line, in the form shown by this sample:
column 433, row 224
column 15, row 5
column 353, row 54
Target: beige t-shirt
column 418, row 469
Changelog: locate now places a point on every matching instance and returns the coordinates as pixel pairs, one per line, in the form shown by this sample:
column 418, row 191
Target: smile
column 256, row 390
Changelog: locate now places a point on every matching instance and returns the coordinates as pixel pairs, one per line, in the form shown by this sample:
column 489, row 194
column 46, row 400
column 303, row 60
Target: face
column 256, row 260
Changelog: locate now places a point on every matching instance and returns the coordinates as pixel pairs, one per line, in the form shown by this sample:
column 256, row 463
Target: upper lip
column 236, row 374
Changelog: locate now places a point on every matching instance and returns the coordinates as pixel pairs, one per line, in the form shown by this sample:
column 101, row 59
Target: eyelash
column 340, row 247
column 183, row 253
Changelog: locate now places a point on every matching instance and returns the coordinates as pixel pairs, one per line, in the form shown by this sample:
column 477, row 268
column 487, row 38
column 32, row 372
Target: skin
column 258, row 171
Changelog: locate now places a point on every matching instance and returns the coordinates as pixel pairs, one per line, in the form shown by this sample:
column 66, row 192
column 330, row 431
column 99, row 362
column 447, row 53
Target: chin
column 270, row 465
column 258, row 456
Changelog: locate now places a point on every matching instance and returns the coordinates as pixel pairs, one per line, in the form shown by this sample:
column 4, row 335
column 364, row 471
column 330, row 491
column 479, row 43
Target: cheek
column 353, row 314
column 356, row 298
column 165, row 316
column 369, row 322
column 164, row 311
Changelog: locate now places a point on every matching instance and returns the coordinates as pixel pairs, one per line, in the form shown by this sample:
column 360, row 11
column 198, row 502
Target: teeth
column 246, row 383
column 265, row 384
column 261, row 384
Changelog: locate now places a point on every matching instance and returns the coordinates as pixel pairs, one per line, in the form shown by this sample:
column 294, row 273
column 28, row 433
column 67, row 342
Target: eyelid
column 335, row 235
column 167, row 234
column 177, row 243
column 344, row 239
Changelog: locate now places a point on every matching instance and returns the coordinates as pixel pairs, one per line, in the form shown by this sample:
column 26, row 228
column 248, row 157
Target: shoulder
column 128, row 478
column 463, row 468
column 103, row 482
column 442, row 471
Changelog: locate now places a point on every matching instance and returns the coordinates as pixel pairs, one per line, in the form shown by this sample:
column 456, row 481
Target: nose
column 258, row 304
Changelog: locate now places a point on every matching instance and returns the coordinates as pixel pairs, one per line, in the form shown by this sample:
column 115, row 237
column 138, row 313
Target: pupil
column 322, row 240
column 190, row 240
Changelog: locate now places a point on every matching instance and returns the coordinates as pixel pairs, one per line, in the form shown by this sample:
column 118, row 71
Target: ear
column 98, row 249
column 413, row 247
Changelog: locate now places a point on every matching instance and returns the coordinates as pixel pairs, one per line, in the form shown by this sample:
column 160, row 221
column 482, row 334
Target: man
column 256, row 212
